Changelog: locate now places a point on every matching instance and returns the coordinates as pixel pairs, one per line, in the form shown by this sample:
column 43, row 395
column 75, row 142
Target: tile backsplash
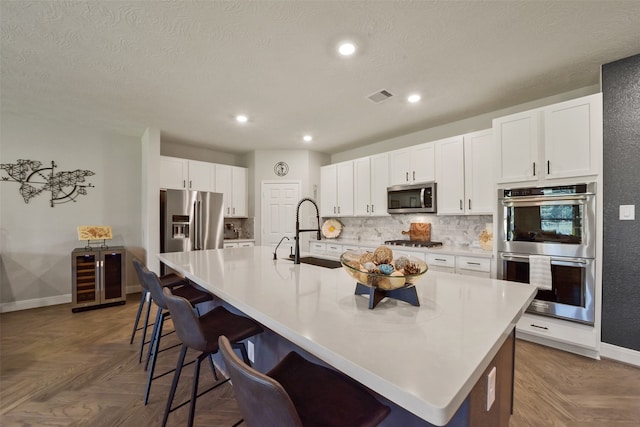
column 455, row 230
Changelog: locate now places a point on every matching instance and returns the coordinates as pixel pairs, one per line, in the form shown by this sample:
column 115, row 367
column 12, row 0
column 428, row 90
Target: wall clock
column 281, row 169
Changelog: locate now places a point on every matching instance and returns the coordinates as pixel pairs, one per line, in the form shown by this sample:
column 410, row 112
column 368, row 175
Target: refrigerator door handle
column 196, row 232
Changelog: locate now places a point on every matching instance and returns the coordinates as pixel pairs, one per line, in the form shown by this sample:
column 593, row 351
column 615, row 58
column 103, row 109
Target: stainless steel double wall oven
column 558, row 222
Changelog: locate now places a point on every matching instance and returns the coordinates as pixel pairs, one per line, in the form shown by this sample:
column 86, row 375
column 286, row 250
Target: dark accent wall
column 621, row 180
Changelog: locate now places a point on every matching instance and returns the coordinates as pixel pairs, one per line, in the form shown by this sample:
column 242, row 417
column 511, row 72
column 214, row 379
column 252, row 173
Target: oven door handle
column 526, row 257
column 549, row 198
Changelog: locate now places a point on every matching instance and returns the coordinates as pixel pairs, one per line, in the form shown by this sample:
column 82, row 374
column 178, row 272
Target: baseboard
column 34, row 303
column 582, row 351
column 6, row 307
column 620, row 354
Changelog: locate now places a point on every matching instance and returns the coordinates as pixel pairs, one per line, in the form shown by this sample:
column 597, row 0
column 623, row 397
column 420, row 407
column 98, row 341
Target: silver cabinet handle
column 548, row 167
column 539, row 327
column 184, row 183
column 461, row 204
column 469, row 204
column 414, row 175
column 190, row 184
column 371, row 208
column 473, row 263
column 407, row 176
column 367, row 208
column 338, row 209
column 334, row 209
column 534, row 168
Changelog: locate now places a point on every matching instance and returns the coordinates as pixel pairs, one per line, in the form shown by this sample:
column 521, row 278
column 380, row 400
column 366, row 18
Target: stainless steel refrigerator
column 190, row 220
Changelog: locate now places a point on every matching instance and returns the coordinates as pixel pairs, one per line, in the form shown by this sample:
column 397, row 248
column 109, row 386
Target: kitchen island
column 424, row 359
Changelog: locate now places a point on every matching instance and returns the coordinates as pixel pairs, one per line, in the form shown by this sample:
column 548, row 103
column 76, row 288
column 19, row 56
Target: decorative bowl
column 371, row 276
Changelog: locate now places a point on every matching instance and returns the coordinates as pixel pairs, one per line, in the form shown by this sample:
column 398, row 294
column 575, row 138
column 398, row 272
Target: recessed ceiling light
column 307, row 138
column 241, row 118
column 414, row 98
column 346, row 48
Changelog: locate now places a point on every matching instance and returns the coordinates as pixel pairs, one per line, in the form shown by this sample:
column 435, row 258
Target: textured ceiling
column 187, row 67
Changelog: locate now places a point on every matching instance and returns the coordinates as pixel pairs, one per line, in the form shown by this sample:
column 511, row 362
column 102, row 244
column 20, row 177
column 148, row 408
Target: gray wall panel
column 621, row 179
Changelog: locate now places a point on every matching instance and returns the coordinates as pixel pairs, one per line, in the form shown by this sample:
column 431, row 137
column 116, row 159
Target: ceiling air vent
column 380, row 96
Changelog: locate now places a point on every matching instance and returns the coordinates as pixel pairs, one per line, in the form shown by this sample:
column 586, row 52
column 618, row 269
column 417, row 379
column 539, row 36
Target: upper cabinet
column 558, row 141
column 371, row 179
column 336, row 189
column 465, row 174
column 412, row 165
column 232, row 182
column 183, row 174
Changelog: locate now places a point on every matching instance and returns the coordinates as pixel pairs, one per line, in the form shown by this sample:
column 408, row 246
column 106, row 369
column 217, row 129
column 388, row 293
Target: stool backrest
column 137, row 265
column 262, row 400
column 185, row 321
column 152, row 284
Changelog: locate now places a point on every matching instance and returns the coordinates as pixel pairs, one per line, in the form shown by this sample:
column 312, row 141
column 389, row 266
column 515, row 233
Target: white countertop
column 425, row 359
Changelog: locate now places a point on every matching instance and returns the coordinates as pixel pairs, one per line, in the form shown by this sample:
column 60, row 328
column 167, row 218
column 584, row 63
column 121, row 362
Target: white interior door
column 279, row 201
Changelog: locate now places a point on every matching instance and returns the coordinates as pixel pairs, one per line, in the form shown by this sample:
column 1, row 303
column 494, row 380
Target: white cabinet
column 473, row 266
column 317, row 248
column 531, row 325
column 183, row 174
column 465, row 174
column 450, row 175
column 231, row 181
column 238, row 244
column 412, row 165
column 371, row 179
column 562, row 140
column 336, row 189
column 572, row 135
column 441, row 262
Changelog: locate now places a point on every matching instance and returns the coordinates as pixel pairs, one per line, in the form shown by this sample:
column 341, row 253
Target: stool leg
column 144, row 329
column 155, row 345
column 156, row 324
column 194, row 390
column 135, row 324
column 174, row 384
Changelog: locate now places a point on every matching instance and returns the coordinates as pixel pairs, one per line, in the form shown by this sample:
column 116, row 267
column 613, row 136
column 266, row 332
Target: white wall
column 36, row 239
column 304, row 166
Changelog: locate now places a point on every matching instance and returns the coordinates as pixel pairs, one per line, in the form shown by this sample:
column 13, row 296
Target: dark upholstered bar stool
column 170, row 280
column 297, row 393
column 191, row 294
column 201, row 334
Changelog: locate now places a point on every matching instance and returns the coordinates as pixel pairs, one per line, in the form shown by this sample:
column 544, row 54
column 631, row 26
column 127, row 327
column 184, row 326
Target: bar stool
column 298, row 393
column 201, row 334
column 192, row 295
column 170, row 280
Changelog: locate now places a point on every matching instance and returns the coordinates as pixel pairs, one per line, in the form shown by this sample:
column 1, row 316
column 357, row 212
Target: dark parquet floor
column 59, row 368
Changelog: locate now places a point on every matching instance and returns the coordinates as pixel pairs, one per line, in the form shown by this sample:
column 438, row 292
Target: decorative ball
column 401, row 262
column 382, row 255
column 366, row 257
column 386, row 269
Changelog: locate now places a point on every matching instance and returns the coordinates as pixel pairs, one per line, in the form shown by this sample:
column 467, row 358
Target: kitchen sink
column 320, row 262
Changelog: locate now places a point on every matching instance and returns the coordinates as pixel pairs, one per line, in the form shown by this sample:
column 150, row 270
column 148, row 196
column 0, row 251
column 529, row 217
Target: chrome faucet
column 296, row 257
column 277, row 246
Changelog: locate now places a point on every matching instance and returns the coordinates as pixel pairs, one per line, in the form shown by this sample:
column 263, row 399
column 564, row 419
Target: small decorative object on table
column 379, row 275
column 331, row 228
column 95, row 232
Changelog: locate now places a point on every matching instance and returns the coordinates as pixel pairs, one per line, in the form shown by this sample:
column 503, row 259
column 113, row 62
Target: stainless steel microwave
column 416, row 198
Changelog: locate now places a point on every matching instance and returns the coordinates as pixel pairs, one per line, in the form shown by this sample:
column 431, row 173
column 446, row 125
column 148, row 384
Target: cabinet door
column 328, row 194
column 399, row 165
column 362, row 186
column 174, row 173
column 480, row 178
column 517, row 146
column 85, row 278
column 239, row 196
column 112, row 275
column 423, row 163
column 201, row 176
column 379, row 166
column 223, row 185
column 450, row 157
column 573, row 130
column 344, row 188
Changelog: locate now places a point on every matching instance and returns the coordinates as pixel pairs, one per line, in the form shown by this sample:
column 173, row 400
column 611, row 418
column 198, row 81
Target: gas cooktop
column 414, row 243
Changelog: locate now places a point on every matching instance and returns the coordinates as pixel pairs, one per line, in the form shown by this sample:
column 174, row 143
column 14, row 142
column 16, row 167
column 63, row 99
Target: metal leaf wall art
column 64, row 186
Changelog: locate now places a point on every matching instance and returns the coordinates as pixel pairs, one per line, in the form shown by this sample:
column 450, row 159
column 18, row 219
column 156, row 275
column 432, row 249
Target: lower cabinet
column 473, row 266
column 98, row 277
column 238, row 244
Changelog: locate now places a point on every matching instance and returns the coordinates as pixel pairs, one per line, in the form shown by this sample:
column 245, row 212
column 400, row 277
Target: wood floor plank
column 59, row 368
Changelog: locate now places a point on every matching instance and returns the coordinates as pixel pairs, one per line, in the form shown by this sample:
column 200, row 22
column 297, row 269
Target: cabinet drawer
column 246, row 244
column 318, row 248
column 350, row 248
column 559, row 330
column 334, row 249
column 441, row 260
column 474, row 264
column 229, row 245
